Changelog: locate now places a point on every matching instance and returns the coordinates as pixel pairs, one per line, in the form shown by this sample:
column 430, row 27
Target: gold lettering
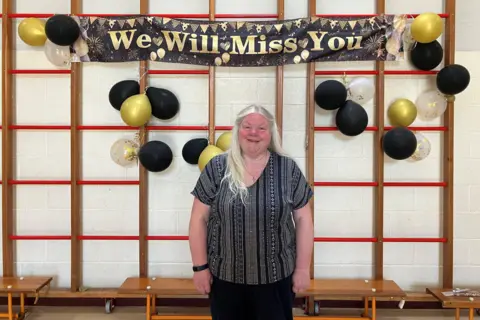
column 317, row 42
column 127, row 41
column 214, row 44
column 290, row 45
column 275, row 46
column 354, row 45
column 180, row 43
column 194, row 43
column 332, row 43
column 242, row 47
column 144, row 41
column 263, row 44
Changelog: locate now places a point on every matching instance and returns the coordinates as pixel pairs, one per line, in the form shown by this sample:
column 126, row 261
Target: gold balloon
column 207, row 154
column 402, row 113
column 426, row 27
column 136, row 110
column 32, row 32
column 224, row 141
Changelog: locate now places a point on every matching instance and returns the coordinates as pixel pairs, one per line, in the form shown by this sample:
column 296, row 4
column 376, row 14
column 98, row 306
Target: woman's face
column 254, row 134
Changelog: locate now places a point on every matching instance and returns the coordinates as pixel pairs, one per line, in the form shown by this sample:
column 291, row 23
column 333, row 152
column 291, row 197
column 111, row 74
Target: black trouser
column 231, row 301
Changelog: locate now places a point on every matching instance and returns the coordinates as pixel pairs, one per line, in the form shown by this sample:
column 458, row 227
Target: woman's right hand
column 203, row 281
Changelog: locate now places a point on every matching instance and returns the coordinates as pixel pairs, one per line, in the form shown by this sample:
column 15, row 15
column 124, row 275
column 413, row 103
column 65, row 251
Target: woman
column 251, row 230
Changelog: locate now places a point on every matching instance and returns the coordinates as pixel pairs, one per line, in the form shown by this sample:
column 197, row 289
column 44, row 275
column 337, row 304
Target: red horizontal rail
column 113, row 127
column 39, row 182
column 330, row 128
column 372, row 72
column 317, row 183
column 177, row 71
column 36, row 237
column 414, row 240
column 38, row 127
column 166, row 238
column 413, row 15
column 108, row 182
column 375, row 184
column 39, row 71
column 68, row 182
column 179, row 238
column 168, row 15
column 93, row 237
column 329, row 239
column 375, row 128
column 345, row 184
column 415, row 184
column 204, row 15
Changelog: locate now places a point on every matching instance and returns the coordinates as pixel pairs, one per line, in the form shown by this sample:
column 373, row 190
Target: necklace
column 256, row 176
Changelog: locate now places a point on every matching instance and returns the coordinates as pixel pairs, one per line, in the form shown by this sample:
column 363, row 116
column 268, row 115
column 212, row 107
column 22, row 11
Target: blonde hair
column 235, row 166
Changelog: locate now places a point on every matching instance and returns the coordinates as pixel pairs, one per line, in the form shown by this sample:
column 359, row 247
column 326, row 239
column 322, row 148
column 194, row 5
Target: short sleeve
column 302, row 192
column 207, row 184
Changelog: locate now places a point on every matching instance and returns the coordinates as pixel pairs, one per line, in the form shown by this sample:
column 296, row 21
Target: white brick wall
column 340, row 211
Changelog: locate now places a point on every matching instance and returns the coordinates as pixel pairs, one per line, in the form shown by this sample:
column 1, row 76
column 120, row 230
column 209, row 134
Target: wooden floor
column 136, row 313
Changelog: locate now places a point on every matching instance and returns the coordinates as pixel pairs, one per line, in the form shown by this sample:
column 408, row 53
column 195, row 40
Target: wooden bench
column 455, row 302
column 21, row 286
column 368, row 290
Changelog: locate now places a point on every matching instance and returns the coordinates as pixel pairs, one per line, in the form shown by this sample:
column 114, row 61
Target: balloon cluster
column 198, row 151
column 401, row 143
column 351, row 118
column 137, row 108
column 58, row 34
column 427, row 54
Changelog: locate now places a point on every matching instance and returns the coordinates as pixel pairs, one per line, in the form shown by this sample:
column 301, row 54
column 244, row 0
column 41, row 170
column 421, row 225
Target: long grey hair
column 235, row 166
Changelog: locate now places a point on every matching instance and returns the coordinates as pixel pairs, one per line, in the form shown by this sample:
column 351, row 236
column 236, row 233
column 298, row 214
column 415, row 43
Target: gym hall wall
column 340, row 211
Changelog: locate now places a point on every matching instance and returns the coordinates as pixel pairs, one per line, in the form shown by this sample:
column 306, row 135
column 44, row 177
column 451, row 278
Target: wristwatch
column 200, row 268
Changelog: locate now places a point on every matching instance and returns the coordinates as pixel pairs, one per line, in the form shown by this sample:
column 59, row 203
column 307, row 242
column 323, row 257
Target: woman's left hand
column 301, row 280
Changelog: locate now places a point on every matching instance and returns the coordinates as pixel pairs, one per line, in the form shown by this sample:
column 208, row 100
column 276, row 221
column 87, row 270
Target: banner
column 240, row 43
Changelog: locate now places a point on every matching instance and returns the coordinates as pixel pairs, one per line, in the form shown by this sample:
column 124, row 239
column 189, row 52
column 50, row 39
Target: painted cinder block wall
column 339, row 211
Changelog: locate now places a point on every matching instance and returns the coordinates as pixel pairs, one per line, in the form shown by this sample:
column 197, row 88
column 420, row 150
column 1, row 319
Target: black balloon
column 399, row 143
column 453, row 79
column 330, row 94
column 164, row 103
column 62, row 30
column 427, row 56
column 351, row 119
column 155, row 156
column 121, row 91
column 193, row 148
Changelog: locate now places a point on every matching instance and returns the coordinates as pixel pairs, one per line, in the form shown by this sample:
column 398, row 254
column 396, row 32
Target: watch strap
column 200, row 268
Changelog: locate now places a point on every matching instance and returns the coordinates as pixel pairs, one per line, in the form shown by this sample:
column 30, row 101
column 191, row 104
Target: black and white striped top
column 253, row 243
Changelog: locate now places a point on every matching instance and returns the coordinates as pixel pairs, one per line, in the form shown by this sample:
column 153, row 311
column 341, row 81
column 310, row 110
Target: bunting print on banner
column 240, row 43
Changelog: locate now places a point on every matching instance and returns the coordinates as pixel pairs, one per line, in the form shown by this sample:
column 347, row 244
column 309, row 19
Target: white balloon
column 423, row 147
column 57, row 55
column 430, row 105
column 361, row 90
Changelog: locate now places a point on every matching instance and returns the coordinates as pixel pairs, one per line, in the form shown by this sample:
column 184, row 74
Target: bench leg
column 365, row 310
column 10, row 307
column 148, row 306
column 457, row 313
column 154, row 304
column 470, row 313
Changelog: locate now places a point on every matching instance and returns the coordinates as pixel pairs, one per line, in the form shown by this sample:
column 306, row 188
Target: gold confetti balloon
column 430, row 105
column 124, row 152
column 423, row 147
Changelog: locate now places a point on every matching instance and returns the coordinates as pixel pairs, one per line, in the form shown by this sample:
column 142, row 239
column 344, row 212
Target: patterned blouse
column 253, row 243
